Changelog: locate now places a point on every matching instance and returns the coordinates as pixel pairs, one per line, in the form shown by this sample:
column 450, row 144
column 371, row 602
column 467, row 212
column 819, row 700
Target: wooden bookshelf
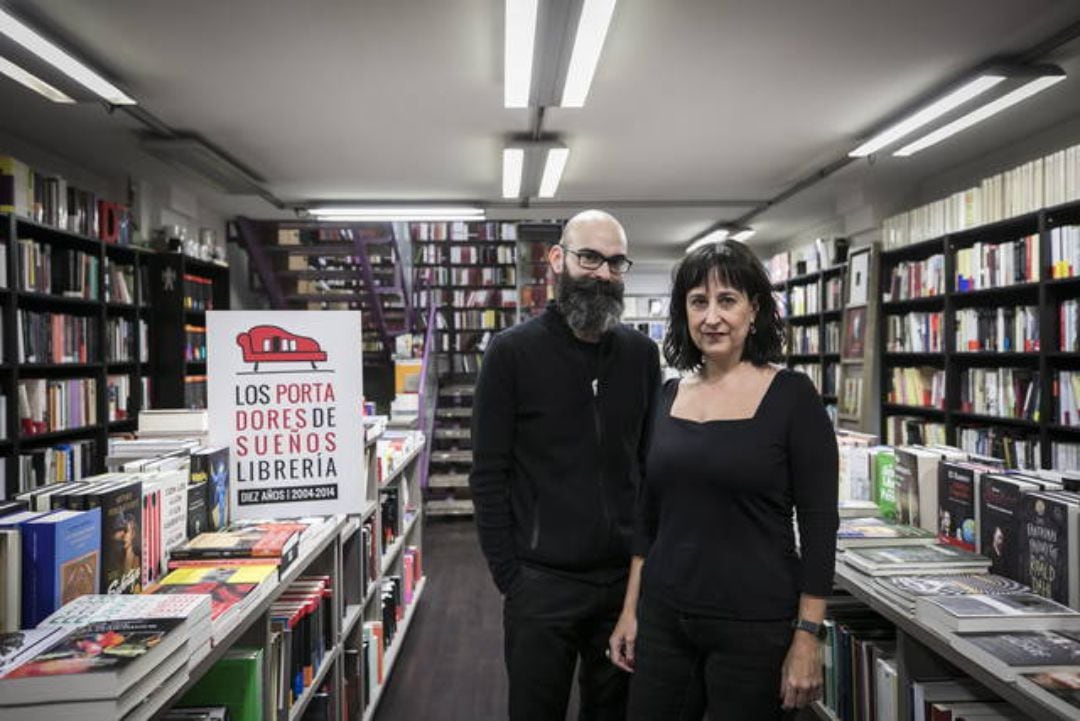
column 1044, row 294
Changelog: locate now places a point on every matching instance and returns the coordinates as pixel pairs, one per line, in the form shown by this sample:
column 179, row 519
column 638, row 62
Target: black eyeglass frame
column 611, row 262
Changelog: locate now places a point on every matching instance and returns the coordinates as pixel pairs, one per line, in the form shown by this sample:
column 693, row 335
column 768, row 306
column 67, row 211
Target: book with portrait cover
column 62, row 561
column 1050, row 545
column 997, row 517
column 121, row 533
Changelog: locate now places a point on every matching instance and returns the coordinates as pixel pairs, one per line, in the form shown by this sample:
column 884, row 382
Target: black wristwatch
column 814, row 629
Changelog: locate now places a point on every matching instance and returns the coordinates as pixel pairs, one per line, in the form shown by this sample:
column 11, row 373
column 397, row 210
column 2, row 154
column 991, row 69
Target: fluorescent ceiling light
column 744, row 235
column 928, row 114
column 591, row 30
column 520, row 37
column 62, row 61
column 391, row 213
column 977, row 116
column 553, row 170
column 714, row 237
column 371, row 211
column 513, row 166
column 32, row 82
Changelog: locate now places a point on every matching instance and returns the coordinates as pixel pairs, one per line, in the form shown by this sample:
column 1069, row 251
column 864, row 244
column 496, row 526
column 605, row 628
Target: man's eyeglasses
column 591, row 260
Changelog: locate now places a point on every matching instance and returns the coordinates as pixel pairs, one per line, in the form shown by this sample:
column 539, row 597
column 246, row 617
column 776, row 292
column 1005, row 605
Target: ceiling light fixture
column 394, row 213
column 520, row 37
column 31, row 81
column 588, row 42
column 553, row 170
column 927, row 115
column 977, row 116
column 513, row 164
column 744, row 235
column 714, row 237
column 61, row 60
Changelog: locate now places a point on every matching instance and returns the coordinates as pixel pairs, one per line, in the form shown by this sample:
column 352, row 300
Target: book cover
column 98, row 660
column 236, row 682
column 17, row 647
column 1019, row 649
column 10, row 579
column 1048, row 546
column 956, row 504
column 883, row 459
column 879, row 532
column 906, row 559
column 1063, row 685
column 96, row 608
column 999, row 522
column 198, row 512
column 953, row 585
column 211, row 466
column 121, row 534
column 265, row 540
column 62, row 553
column 1015, row 612
column 226, row 585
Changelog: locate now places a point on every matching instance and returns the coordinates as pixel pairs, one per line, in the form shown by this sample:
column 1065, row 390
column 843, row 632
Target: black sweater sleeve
column 493, row 463
column 647, row 511
column 814, row 478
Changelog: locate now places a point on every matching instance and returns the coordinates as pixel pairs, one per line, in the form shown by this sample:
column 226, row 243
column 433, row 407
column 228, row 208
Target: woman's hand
column 801, row 676
column 621, row 644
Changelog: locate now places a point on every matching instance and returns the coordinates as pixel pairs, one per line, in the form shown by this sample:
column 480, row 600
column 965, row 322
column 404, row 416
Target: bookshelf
column 181, row 290
column 979, row 308
column 812, row 304
column 923, row 653
column 536, row 282
column 90, row 295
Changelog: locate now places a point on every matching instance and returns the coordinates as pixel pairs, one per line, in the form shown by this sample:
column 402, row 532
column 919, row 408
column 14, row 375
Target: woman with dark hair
column 730, row 612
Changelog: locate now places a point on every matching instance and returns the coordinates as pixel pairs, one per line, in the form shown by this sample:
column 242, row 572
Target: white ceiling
column 702, row 100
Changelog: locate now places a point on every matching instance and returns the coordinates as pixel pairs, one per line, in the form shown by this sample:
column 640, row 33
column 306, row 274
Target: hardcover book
column 917, row 487
column 865, row 532
column 883, row 460
column 999, row 522
column 62, row 554
column 1015, row 612
column 211, row 466
column 265, row 540
column 198, row 513
column 956, row 503
column 1050, row 545
column 908, row 560
column 1013, row 653
column 232, row 588
column 17, row 647
column 121, row 534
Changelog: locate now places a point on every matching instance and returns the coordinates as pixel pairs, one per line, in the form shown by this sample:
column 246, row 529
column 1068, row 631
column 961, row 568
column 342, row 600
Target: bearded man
column 559, row 423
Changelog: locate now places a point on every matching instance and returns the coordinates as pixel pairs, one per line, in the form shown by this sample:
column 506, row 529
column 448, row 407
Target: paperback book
column 1010, row 654
column 909, row 560
column 866, row 532
column 1015, row 612
column 904, row 590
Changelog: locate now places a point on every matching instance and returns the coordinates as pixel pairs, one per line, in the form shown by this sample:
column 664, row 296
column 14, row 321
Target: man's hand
column 801, row 677
column 621, row 644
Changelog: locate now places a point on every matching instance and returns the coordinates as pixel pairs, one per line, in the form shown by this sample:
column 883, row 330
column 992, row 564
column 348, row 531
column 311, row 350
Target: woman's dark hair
column 736, row 266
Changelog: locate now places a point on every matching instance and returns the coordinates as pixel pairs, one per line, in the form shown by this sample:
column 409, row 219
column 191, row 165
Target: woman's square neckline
column 757, row 411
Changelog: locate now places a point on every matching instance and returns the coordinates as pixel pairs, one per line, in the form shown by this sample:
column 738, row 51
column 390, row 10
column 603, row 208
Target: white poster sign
column 285, row 395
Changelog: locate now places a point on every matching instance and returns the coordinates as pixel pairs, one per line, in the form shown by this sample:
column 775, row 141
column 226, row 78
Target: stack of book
column 103, row 670
column 905, row 591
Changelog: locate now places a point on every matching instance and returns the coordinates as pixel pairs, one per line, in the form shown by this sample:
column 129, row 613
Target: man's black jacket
column 555, row 466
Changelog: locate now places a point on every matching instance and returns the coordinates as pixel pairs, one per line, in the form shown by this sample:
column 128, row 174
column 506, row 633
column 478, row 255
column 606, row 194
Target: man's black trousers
column 550, row 622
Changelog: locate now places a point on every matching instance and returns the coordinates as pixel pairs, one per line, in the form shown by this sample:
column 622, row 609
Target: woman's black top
column 715, row 511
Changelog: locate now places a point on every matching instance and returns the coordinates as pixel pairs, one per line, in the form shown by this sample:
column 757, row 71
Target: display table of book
column 926, row 651
column 296, row 619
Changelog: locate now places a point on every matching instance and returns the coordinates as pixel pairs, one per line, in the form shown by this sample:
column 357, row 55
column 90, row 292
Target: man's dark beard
column 590, row 305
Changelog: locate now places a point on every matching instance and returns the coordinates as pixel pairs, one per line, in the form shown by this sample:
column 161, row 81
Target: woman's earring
column 753, row 329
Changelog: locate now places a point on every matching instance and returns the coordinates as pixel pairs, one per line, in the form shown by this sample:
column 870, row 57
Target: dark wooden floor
column 451, row 666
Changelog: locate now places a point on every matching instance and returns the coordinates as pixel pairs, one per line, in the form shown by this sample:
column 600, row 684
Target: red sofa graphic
column 271, row 344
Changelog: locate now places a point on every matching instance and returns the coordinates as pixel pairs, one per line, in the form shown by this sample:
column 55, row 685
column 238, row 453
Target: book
column 17, row 647
column 121, row 533
column 883, row 460
column 927, row 692
column 10, row 579
column 997, row 517
column 1050, row 545
column 1063, row 687
column 908, row 560
column 1012, row 612
column 904, row 590
column 866, row 532
column 95, row 661
column 1010, row 654
column 917, row 486
column 957, row 483
column 236, row 682
column 62, row 561
column 232, row 589
column 211, row 466
column 198, row 512
column 278, row 542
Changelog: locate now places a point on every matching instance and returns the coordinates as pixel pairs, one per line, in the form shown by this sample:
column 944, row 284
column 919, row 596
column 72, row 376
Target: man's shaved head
column 590, row 224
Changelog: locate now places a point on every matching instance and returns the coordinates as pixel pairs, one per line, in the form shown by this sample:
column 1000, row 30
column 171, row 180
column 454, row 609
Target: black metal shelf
column 50, row 299
column 896, row 409
column 995, row 420
column 928, row 303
